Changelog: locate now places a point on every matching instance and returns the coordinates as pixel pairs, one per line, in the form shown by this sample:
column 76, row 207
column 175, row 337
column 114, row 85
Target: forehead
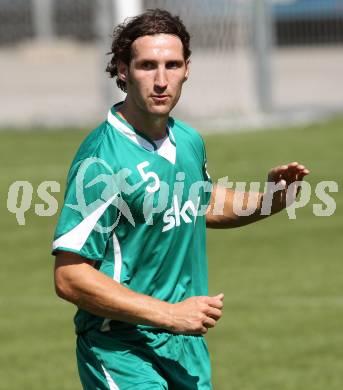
column 157, row 46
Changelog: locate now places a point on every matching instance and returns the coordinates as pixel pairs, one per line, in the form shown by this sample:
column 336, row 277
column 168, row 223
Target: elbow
column 220, row 222
column 62, row 288
column 60, row 291
column 68, row 267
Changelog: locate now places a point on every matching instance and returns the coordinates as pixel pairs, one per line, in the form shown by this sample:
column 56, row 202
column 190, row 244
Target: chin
column 160, row 109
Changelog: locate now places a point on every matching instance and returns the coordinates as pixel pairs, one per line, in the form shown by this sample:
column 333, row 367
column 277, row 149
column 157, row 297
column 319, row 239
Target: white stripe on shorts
column 109, row 379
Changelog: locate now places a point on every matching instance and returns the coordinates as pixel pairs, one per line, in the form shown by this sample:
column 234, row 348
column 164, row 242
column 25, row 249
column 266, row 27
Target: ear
column 122, row 71
column 187, row 70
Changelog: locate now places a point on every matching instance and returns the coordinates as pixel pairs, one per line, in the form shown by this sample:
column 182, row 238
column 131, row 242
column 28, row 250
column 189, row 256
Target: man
column 130, row 243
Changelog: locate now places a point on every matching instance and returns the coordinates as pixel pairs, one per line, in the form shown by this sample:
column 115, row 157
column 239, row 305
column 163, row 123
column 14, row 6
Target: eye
column 147, row 65
column 174, row 64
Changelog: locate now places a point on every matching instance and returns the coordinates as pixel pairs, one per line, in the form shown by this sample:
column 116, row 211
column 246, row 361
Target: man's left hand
column 285, row 175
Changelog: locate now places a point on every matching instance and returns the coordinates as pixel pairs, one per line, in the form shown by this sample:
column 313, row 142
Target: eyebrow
column 178, row 61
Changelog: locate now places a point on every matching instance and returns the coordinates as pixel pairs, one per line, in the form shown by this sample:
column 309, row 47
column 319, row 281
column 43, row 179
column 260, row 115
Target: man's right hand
column 195, row 315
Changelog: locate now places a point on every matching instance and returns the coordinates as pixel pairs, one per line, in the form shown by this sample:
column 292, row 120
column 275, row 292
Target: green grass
column 282, row 279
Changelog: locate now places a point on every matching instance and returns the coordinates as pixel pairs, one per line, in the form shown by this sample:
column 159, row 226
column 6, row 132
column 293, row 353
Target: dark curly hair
column 151, row 22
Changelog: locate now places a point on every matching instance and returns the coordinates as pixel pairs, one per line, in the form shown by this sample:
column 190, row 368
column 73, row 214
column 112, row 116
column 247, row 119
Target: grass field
column 282, row 327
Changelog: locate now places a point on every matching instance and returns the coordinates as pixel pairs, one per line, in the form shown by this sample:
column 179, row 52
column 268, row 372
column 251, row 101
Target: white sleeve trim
column 76, row 238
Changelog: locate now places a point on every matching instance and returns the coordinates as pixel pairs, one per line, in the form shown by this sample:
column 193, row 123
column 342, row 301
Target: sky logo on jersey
column 175, row 215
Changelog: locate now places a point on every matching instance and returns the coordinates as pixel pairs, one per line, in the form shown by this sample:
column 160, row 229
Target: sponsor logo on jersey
column 175, row 215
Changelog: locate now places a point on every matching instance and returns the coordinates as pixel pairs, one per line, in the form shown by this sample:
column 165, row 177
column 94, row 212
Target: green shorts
column 141, row 359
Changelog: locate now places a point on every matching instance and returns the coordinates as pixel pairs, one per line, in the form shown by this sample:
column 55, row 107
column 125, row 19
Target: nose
column 161, row 79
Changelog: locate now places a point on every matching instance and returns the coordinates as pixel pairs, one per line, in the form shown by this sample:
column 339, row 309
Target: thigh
column 183, row 360
column 107, row 363
column 194, row 368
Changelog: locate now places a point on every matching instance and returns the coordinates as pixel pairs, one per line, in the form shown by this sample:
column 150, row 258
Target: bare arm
column 221, row 211
column 78, row 282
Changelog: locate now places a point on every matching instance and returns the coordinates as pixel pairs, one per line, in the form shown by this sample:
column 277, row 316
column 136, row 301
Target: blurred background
column 275, row 66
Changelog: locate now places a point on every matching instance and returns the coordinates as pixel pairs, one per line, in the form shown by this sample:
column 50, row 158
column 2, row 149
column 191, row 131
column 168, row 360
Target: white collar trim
column 166, row 150
column 122, row 128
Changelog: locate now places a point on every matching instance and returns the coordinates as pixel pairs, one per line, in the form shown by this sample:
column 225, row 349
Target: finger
column 303, row 173
column 298, row 168
column 216, row 303
column 300, row 176
column 209, row 300
column 293, row 165
column 288, row 173
column 202, row 330
column 290, row 176
column 301, row 168
column 209, row 322
column 275, row 173
column 295, row 173
column 292, row 169
column 213, row 313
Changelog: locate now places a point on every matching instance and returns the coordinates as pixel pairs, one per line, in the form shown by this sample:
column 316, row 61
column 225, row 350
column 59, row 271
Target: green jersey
column 137, row 207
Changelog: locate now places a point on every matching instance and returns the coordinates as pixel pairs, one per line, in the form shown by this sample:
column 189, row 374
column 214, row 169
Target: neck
column 153, row 126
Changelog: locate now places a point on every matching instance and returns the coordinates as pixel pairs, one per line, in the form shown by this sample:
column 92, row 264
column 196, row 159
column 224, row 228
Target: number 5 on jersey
column 149, row 175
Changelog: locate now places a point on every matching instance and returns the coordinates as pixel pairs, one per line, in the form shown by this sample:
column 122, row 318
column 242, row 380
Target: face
column 156, row 73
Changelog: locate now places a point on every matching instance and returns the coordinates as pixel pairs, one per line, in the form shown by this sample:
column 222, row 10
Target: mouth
column 160, row 98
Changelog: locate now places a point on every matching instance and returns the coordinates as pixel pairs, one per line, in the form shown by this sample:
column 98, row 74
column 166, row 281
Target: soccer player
column 130, row 243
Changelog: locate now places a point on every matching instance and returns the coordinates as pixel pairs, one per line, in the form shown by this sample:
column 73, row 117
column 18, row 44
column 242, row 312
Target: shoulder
column 93, row 143
column 184, row 127
column 93, row 154
column 184, row 130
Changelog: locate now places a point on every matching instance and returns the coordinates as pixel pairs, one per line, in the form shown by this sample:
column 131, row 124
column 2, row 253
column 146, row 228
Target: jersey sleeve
column 88, row 215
